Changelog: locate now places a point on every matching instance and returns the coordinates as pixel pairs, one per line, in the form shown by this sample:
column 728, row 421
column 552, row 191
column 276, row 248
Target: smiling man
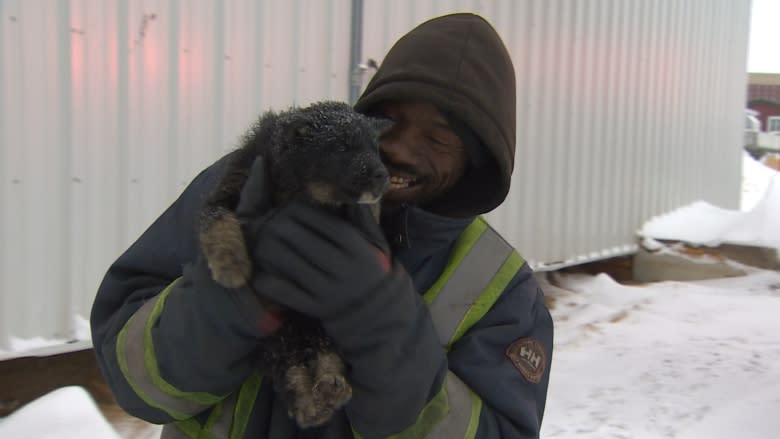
column 423, row 154
column 440, row 322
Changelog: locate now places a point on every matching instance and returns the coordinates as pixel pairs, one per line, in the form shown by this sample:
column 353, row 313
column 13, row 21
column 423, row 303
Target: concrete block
column 662, row 266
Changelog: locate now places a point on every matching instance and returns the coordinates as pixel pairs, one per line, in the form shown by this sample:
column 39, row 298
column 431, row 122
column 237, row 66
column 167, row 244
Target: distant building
column 764, row 97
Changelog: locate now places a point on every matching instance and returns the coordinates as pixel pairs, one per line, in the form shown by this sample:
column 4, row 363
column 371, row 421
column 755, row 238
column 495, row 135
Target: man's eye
column 436, row 140
column 390, row 115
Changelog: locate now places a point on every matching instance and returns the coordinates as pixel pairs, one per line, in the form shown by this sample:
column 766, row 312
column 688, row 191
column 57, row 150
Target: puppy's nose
column 380, row 176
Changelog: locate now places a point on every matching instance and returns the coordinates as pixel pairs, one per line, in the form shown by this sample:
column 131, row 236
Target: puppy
column 327, row 155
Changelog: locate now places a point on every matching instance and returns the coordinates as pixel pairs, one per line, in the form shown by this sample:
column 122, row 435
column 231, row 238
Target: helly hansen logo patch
column 528, row 356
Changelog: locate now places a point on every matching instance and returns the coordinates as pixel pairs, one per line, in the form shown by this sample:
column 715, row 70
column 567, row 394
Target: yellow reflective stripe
column 468, row 280
column 476, row 412
column 227, row 420
column 135, row 351
column 433, row 412
column 245, row 405
column 131, row 354
column 121, row 356
column 190, row 427
column 460, row 417
column 436, row 410
column 489, row 295
column 462, row 247
column 214, row 418
column 230, row 417
column 151, row 359
column 452, row 414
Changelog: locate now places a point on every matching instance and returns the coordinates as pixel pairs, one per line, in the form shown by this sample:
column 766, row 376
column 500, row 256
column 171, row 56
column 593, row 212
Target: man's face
column 424, row 156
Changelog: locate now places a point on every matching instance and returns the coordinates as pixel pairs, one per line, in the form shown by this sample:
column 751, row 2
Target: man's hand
column 338, row 271
column 330, row 261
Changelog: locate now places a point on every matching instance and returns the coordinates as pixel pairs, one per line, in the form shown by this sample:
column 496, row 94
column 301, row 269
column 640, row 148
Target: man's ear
column 296, row 130
column 379, row 125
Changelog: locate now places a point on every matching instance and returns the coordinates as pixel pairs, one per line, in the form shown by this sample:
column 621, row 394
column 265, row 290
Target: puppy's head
column 329, row 154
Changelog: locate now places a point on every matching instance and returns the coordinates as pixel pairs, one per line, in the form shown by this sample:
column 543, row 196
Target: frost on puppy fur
column 326, row 155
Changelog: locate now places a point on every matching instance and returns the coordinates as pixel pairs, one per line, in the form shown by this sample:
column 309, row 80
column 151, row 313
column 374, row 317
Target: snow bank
column 701, row 223
column 80, row 338
column 66, row 413
column 755, row 180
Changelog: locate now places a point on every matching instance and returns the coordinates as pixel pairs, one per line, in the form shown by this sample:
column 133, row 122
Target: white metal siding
column 109, row 108
column 626, row 109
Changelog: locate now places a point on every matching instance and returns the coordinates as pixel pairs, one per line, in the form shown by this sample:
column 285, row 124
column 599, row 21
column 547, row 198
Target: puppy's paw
column 330, row 386
column 228, row 259
column 231, row 271
column 304, row 406
column 332, row 390
column 307, row 414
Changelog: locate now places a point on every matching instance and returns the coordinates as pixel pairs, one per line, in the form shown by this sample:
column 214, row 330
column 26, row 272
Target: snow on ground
column 673, row 359
column 667, row 360
column 66, row 413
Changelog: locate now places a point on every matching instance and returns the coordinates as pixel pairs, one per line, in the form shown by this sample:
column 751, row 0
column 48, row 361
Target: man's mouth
column 401, row 182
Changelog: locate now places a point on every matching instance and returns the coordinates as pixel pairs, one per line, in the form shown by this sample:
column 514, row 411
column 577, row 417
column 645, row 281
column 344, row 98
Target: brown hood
column 459, row 64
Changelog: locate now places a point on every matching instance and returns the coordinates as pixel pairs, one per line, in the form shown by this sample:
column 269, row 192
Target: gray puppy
column 325, row 154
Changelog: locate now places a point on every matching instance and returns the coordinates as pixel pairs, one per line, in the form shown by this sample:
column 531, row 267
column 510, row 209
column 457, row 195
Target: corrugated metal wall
column 109, row 108
column 626, row 109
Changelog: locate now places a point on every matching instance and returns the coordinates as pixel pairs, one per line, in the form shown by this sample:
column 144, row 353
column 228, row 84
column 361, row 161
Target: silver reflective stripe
column 459, row 418
column 140, row 379
column 222, row 426
column 169, row 431
column 467, row 282
column 219, row 428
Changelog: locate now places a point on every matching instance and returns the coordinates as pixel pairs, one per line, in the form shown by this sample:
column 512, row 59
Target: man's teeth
column 400, row 182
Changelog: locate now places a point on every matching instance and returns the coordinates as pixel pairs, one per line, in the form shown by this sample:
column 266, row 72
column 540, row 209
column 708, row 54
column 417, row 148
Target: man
column 450, row 339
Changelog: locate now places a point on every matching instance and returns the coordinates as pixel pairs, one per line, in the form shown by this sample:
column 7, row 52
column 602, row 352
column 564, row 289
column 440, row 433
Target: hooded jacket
column 459, row 64
column 198, row 343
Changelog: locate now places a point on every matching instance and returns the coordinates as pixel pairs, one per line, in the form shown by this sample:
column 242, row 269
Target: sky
column 764, row 53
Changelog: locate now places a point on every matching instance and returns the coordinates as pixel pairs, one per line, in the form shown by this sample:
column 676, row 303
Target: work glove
column 331, row 257
column 258, row 318
column 205, row 334
column 336, row 267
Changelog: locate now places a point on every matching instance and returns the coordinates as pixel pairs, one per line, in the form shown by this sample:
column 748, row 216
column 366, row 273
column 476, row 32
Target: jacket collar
column 422, row 241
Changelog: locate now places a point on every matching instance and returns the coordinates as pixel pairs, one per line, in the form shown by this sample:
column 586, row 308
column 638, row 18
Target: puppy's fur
column 326, row 155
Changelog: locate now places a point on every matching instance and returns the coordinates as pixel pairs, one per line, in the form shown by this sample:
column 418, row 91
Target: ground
column 665, row 360
column 24, row 379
